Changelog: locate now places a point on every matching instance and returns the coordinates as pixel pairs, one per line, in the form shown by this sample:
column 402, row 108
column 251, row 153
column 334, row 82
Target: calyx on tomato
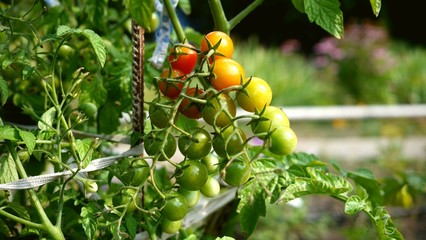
column 183, row 57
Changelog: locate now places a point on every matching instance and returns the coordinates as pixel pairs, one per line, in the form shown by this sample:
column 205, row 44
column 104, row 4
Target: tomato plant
column 82, row 92
column 183, row 58
column 226, row 73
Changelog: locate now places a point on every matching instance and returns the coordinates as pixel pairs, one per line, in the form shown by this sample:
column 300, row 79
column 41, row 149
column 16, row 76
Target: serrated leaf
column 64, row 30
column 29, row 139
column 97, row 44
column 9, row 133
column 89, row 223
column 47, row 119
column 84, row 149
column 4, row 91
column 251, row 212
column 320, row 183
column 327, row 14
column 141, row 11
column 375, row 6
column 299, row 5
column 354, row 205
column 8, row 171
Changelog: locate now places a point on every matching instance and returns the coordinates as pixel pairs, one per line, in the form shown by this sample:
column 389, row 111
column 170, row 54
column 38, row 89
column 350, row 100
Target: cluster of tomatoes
column 207, row 83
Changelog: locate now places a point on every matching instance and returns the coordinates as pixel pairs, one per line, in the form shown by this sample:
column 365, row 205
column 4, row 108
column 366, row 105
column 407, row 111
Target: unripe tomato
column 191, row 197
column 211, row 162
column 211, row 188
column 140, row 172
column 224, row 49
column 255, row 96
column 216, row 110
column 127, row 196
column 193, row 175
column 230, row 142
column 153, row 22
column 237, row 172
column 283, row 141
column 175, row 208
column 160, row 115
column 183, row 58
column 171, row 84
column 153, row 144
column 89, row 109
column 189, row 108
column 272, row 117
column 226, row 73
column 170, row 227
column 196, row 146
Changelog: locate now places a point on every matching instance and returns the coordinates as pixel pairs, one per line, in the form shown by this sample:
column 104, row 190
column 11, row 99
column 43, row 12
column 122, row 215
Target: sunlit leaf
column 29, row 139
column 327, row 14
column 88, row 221
column 4, row 91
column 8, row 171
column 376, row 5
column 47, row 119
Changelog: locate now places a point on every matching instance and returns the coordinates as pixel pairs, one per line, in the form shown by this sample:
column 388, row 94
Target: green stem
column 240, row 16
column 175, row 20
column 54, row 232
column 219, row 17
column 21, row 220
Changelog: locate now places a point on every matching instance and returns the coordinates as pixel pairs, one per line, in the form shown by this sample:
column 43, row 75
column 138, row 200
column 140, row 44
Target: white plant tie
column 162, row 35
column 96, row 164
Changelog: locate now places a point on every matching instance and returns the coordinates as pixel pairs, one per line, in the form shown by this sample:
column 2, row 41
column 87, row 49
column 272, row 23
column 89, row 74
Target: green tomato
column 211, row 162
column 160, row 115
column 192, row 197
column 283, row 141
column 153, row 142
column 153, row 22
column 127, row 196
column 170, row 227
column 230, row 142
column 89, row 109
column 192, row 176
column 237, row 172
column 271, row 118
column 216, row 109
column 197, row 146
column 211, row 188
column 175, row 208
column 140, row 172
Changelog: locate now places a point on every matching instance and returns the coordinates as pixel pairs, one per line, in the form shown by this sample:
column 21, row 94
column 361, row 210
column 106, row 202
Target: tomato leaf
column 319, row 182
column 299, row 5
column 110, row 115
column 327, row 14
column 9, row 133
column 4, row 91
column 46, row 121
column 88, row 221
column 141, row 11
column 8, row 171
column 29, row 139
column 376, row 5
column 131, row 225
column 97, row 44
column 185, row 6
column 85, row 149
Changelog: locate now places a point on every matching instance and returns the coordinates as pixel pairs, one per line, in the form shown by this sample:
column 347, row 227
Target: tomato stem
column 240, row 16
column 219, row 18
column 175, row 20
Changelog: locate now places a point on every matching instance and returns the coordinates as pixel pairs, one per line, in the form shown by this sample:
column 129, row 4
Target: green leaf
column 4, row 91
column 93, row 91
column 131, row 225
column 9, row 133
column 141, row 11
column 88, row 221
column 84, row 149
column 29, row 139
column 320, row 182
column 384, row 225
column 354, row 205
column 110, row 115
column 251, row 212
column 376, row 5
column 365, row 178
column 327, row 14
column 299, row 5
column 4, row 229
column 185, row 6
column 20, row 210
column 64, row 30
column 46, row 120
column 225, row 238
column 8, row 171
column 97, row 44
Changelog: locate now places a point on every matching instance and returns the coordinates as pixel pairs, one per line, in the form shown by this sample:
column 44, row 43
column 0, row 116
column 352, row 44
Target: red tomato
column 183, row 58
column 190, row 108
column 171, row 85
